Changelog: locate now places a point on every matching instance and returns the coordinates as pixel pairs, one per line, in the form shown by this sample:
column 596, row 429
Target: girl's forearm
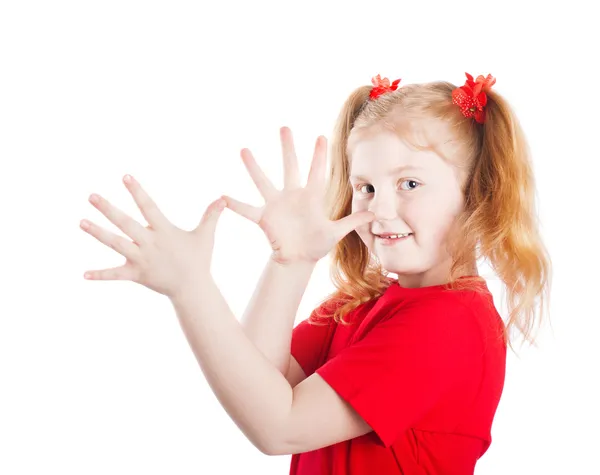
column 269, row 318
column 253, row 392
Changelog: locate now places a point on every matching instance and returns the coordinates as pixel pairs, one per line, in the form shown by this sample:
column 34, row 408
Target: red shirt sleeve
column 407, row 363
column 309, row 340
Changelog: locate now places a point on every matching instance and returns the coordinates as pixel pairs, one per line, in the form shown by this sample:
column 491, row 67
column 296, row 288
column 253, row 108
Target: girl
column 386, row 375
column 416, row 365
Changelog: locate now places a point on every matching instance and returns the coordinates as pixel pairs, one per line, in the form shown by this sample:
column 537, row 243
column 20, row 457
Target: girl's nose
column 384, row 207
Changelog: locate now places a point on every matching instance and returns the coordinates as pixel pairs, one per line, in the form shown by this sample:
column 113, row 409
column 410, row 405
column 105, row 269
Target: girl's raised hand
column 294, row 218
column 160, row 256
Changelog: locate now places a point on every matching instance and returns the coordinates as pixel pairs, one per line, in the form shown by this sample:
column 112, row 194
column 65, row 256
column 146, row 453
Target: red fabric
column 425, row 369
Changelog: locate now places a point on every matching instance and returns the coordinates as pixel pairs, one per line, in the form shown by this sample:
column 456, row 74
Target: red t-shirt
column 425, row 369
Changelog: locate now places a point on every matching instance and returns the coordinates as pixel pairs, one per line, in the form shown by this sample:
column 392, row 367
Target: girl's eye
column 359, row 186
column 411, row 181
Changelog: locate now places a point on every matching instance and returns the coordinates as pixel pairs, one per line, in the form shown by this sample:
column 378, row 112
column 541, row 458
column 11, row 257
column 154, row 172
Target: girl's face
column 423, row 199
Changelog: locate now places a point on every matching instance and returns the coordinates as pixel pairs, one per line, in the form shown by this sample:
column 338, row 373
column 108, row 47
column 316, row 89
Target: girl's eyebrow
column 394, row 171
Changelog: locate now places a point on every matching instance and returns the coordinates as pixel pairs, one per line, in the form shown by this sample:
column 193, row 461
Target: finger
column 349, row 223
column 213, row 210
column 250, row 212
column 212, row 213
column 262, row 182
column 291, row 173
column 152, row 214
column 118, row 243
column 125, row 223
column 316, row 176
column 113, row 273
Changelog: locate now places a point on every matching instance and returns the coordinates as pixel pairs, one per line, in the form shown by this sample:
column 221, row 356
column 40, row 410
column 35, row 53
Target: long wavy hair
column 499, row 219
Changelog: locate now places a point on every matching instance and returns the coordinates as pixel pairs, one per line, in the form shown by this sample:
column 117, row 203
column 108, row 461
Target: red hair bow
column 471, row 97
column 381, row 86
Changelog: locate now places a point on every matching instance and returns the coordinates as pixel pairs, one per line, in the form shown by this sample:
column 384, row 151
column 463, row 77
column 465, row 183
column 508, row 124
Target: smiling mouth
column 392, row 236
column 386, row 240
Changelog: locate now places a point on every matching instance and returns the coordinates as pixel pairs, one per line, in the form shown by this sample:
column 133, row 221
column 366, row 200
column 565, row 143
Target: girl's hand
column 294, row 218
column 161, row 257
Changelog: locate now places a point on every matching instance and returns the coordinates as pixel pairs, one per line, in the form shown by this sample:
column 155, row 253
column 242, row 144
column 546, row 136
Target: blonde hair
column 499, row 220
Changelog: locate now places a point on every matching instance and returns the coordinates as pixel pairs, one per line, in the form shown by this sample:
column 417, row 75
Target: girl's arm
column 253, row 392
column 268, row 320
column 276, row 418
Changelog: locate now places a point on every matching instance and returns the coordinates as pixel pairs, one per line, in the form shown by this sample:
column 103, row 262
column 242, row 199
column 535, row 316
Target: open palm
column 294, row 218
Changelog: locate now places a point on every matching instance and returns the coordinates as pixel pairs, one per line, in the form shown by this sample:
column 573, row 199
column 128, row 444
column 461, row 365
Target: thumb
column 351, row 222
column 211, row 215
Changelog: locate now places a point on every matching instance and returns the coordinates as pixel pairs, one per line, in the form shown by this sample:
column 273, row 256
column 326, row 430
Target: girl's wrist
column 299, row 265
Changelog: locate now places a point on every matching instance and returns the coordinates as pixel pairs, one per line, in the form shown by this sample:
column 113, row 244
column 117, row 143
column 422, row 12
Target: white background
column 97, row 377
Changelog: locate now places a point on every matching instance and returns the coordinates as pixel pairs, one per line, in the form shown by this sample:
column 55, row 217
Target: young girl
column 416, row 365
column 386, row 376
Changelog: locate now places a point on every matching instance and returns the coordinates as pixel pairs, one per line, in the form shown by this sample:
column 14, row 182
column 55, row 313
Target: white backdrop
column 97, row 377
